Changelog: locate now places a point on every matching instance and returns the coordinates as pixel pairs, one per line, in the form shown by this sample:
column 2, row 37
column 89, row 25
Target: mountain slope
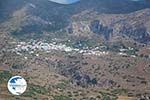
column 30, row 17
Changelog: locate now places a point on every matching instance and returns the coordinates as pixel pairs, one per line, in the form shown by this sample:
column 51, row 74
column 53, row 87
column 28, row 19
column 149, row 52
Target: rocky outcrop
column 98, row 28
column 139, row 33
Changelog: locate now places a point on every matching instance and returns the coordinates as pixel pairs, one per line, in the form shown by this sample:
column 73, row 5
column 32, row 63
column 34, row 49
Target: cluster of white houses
column 31, row 47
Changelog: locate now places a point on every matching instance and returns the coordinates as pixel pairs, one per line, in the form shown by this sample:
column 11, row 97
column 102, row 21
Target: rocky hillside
column 103, row 18
column 132, row 26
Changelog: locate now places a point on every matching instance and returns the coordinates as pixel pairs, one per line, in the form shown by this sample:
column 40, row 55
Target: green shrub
column 61, row 97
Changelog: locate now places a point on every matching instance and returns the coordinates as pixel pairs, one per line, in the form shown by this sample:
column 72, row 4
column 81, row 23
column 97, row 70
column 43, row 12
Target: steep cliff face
column 98, row 28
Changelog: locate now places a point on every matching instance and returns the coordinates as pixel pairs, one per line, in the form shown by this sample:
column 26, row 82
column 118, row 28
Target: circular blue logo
column 17, row 85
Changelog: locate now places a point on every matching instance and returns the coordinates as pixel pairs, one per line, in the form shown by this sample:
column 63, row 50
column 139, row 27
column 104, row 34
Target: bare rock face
column 98, row 28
